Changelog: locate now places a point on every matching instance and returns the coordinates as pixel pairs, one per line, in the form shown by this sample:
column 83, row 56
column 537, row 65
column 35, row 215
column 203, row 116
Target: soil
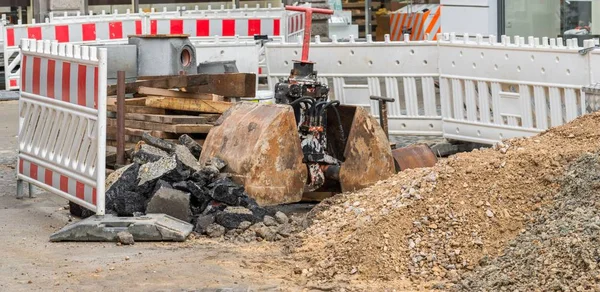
column 499, row 218
column 560, row 249
column 433, row 225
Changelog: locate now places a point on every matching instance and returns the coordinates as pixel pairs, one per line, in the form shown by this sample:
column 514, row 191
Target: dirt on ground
column 430, row 226
column 560, row 249
column 521, row 216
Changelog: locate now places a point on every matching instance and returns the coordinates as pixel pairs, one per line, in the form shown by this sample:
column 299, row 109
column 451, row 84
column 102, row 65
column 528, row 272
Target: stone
column 266, row 233
column 79, row 211
column 160, row 184
column 256, row 226
column 158, row 143
column 244, row 225
column 200, row 195
column 185, row 157
column 182, row 186
column 269, row 221
column 125, row 179
column 237, row 210
column 202, row 223
column 258, row 212
column 171, row 202
column 117, row 174
column 285, row 230
column 224, row 193
column 149, row 173
column 149, row 227
column 127, row 203
column 218, row 163
column 191, row 145
column 201, row 178
column 246, row 201
column 232, row 220
column 248, row 235
column 125, row 238
column 215, row 230
column 281, row 217
column 148, row 153
column 489, row 213
column 231, row 233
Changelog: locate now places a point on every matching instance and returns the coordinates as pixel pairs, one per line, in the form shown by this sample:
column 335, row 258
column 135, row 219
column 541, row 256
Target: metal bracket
column 587, row 50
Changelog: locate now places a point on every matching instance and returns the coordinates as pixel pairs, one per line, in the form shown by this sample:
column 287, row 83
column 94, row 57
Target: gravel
column 560, row 249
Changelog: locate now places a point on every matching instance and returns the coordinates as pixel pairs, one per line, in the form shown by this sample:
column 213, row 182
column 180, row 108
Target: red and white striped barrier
column 208, row 27
column 74, row 32
column 62, row 127
column 245, row 22
column 199, row 24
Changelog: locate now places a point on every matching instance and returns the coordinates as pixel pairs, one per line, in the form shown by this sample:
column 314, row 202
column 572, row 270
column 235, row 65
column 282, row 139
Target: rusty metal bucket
column 261, row 146
column 414, row 156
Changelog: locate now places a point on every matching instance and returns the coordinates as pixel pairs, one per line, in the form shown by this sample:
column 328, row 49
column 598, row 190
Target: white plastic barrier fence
column 62, row 125
column 404, row 71
column 492, row 91
column 71, row 32
column 78, row 17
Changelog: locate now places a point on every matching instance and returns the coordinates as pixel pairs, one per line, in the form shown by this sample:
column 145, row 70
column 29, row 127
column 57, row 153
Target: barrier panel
column 274, row 22
column 494, row 91
column 424, row 21
column 73, row 32
column 404, row 71
column 62, row 125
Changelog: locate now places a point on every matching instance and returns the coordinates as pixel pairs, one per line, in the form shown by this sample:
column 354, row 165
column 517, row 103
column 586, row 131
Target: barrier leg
column 30, row 190
column 19, row 189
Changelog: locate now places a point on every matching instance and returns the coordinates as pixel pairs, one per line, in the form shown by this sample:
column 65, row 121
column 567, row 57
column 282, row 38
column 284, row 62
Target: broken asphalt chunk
column 148, row 153
column 192, row 145
column 171, row 202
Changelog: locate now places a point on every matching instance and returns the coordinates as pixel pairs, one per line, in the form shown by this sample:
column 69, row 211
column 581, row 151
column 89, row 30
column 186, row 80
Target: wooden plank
column 140, row 132
column 194, row 105
column 235, row 85
column 229, row 85
column 128, row 145
column 129, row 101
column 176, row 141
column 178, row 129
column 171, row 93
column 130, row 139
column 173, row 119
column 137, row 109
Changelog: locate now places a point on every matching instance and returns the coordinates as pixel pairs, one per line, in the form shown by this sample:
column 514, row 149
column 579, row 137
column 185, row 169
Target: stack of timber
column 167, row 107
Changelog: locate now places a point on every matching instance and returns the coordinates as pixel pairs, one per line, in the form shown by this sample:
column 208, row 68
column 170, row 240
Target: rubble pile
column 560, row 249
column 166, row 177
column 437, row 224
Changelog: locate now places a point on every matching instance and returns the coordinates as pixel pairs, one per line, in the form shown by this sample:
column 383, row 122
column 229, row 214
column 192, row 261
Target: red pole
column 308, row 11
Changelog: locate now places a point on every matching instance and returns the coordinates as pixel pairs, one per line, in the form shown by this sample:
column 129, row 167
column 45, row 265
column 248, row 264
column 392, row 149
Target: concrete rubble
column 166, row 177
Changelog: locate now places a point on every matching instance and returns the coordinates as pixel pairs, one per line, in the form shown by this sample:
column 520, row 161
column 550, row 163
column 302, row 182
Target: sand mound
column 437, row 223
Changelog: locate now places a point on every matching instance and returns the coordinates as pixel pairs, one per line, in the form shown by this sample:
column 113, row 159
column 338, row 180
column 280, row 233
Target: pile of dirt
column 435, row 224
column 560, row 250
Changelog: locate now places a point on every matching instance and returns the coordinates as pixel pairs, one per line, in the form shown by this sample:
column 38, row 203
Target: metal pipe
column 121, row 117
column 367, row 17
column 383, row 119
column 308, row 11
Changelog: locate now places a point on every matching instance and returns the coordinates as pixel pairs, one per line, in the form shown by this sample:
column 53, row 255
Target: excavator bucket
column 367, row 153
column 260, row 145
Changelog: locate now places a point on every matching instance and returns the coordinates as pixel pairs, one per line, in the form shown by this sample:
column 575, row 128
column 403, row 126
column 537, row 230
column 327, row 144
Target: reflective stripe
column 58, row 181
